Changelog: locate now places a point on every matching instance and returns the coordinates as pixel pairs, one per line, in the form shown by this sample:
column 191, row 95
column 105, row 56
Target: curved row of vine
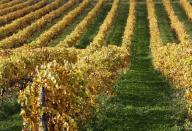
column 29, row 18
column 21, row 36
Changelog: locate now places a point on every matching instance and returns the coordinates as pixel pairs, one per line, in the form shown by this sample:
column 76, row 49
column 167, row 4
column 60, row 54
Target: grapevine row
column 16, row 7
column 44, row 38
column 99, row 39
column 155, row 37
column 75, row 35
column 173, row 60
column 175, row 23
column 73, row 88
column 130, row 22
column 129, row 29
column 4, row 1
column 29, row 18
column 93, row 74
column 98, row 72
column 5, row 19
column 187, row 7
column 20, row 37
column 24, row 62
column 11, row 3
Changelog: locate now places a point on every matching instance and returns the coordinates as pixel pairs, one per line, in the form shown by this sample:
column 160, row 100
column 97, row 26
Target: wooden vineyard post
column 43, row 121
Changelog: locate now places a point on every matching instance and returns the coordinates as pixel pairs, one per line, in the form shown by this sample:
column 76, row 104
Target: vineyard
column 117, row 65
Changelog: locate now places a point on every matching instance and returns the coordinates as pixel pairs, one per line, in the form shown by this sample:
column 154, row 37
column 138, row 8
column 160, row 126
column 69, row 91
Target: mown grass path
column 144, row 101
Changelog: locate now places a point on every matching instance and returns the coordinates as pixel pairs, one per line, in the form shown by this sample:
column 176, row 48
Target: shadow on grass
column 10, row 119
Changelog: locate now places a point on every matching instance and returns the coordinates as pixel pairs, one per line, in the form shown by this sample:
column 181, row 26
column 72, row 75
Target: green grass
column 10, row 119
column 144, row 101
column 88, row 36
column 167, row 33
column 116, row 33
column 183, row 17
